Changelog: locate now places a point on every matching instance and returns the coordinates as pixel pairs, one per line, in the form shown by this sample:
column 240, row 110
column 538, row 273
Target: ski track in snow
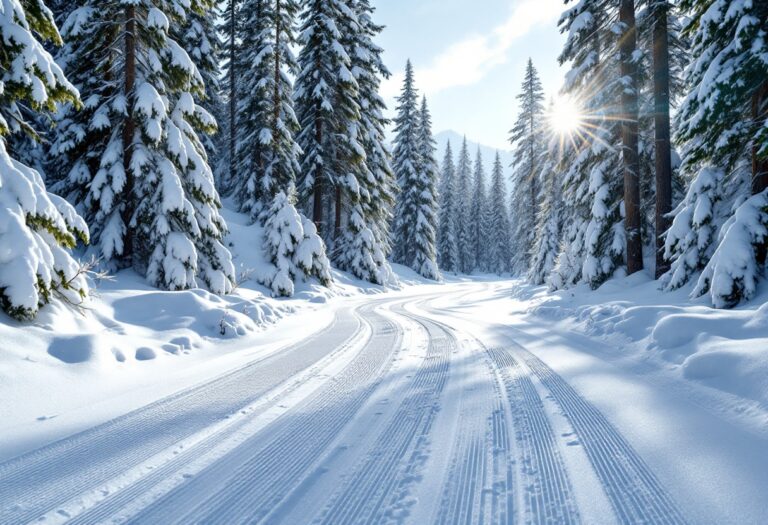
column 42, row 480
column 378, row 489
column 244, row 447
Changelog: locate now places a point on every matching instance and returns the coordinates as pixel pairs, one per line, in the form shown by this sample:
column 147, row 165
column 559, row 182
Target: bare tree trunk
column 232, row 89
column 760, row 164
column 661, row 116
column 629, row 133
column 129, row 130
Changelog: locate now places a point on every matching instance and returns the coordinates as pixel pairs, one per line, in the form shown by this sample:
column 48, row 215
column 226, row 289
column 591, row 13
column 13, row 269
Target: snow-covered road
column 424, row 408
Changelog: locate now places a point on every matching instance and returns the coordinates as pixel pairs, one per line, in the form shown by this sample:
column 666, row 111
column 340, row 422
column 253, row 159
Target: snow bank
column 723, row 350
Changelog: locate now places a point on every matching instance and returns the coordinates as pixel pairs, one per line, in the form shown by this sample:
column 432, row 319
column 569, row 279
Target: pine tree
column 447, row 247
column 36, row 228
column 548, row 224
column 134, row 158
column 593, row 241
column 499, row 232
column 425, row 261
column 405, row 163
column 267, row 154
column 478, row 210
column 463, row 230
column 722, row 122
column 529, row 141
column 376, row 179
column 328, row 111
column 226, row 140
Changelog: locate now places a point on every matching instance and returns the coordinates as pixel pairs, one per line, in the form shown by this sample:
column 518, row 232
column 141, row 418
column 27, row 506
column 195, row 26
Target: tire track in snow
column 42, row 480
column 635, row 493
column 547, row 490
column 250, row 482
column 377, row 491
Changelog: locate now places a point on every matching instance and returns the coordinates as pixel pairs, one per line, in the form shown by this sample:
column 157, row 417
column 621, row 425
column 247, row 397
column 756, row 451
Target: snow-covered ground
column 472, row 401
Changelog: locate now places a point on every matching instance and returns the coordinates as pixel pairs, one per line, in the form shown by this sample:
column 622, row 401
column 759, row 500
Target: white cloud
column 466, row 62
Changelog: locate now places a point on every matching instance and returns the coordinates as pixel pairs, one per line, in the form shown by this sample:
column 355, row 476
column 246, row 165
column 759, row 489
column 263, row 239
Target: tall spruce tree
column 36, row 228
column 478, row 214
column 328, row 111
column 406, row 162
column 529, row 141
column 499, row 232
column 463, row 189
column 548, row 223
column 364, row 204
column 425, row 261
column 593, row 241
column 135, row 160
column 447, row 247
column 267, row 154
column 722, row 127
column 416, row 171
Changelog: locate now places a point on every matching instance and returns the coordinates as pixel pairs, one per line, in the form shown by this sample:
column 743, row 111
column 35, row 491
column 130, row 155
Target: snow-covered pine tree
column 447, row 247
column 135, row 160
column 406, row 162
column 548, row 223
column 723, row 122
column 499, row 232
column 463, row 189
column 199, row 37
column 478, row 214
column 425, row 221
column 529, row 141
column 268, row 156
column 226, row 139
column 594, row 240
column 369, row 69
column 328, row 111
column 36, row 228
column 367, row 222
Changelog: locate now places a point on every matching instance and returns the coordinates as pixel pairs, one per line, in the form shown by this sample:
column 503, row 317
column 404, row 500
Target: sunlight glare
column 565, row 117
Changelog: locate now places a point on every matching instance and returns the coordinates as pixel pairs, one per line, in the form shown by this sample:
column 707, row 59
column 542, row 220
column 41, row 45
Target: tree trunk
column 629, row 133
column 317, row 207
column 232, row 90
column 129, row 130
column 760, row 164
column 337, row 226
column 661, row 116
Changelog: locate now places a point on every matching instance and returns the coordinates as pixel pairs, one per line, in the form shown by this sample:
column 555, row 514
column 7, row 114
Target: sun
column 565, row 117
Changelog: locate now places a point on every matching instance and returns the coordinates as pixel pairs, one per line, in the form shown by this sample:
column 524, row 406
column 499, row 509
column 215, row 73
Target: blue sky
column 470, row 60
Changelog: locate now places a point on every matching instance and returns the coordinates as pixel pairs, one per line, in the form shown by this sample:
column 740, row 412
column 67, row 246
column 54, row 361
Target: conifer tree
column 594, row 241
column 37, row 228
column 425, row 261
column 478, row 214
column 529, row 142
column 376, row 179
column 463, row 184
column 548, row 224
column 135, row 161
column 406, row 163
column 328, row 112
column 267, row 154
column 226, row 140
column 447, row 247
column 499, row 233
column 722, row 125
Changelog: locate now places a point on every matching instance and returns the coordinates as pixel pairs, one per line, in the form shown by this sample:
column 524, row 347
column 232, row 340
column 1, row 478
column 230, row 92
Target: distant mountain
column 489, row 153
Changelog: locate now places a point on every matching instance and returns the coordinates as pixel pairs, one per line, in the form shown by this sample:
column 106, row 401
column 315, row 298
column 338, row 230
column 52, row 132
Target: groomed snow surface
column 472, row 401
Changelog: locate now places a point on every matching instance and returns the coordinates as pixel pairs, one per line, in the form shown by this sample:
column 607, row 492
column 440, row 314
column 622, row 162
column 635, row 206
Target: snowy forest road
column 421, row 409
